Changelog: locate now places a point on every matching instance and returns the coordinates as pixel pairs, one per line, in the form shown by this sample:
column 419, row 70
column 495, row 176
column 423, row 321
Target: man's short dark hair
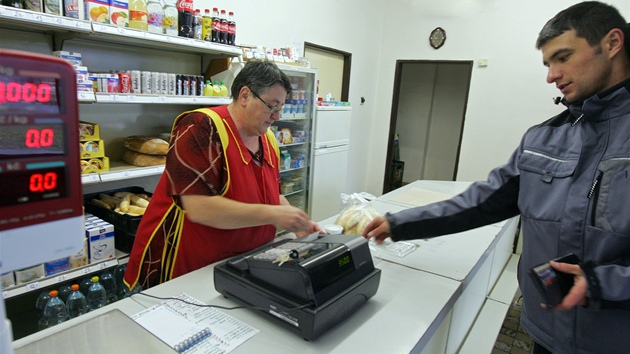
column 591, row 20
column 259, row 76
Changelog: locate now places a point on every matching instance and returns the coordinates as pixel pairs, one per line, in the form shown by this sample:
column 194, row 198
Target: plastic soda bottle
column 138, row 16
column 170, row 18
column 198, row 25
column 109, row 283
column 216, row 26
column 224, row 28
column 206, row 27
column 207, row 91
column 155, row 14
column 231, row 37
column 77, row 303
column 224, row 89
column 55, row 310
column 96, row 296
column 186, row 14
column 216, row 89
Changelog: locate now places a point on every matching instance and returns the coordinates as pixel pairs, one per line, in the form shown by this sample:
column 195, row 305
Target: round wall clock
column 437, row 37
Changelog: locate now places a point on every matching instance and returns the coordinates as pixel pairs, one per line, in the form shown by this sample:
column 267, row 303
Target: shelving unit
column 104, row 48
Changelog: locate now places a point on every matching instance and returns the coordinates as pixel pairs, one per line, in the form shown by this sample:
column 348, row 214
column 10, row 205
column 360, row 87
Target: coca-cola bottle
column 224, row 28
column 231, row 37
column 186, row 14
column 216, row 25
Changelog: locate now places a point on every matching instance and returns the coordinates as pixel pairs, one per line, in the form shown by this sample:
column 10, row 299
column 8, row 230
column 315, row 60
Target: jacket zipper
column 591, row 193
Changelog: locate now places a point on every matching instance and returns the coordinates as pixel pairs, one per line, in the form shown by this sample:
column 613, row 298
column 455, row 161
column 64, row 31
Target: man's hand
column 577, row 294
column 378, row 228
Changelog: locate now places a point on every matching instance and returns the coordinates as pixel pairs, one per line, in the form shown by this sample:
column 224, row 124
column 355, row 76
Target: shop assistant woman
column 219, row 194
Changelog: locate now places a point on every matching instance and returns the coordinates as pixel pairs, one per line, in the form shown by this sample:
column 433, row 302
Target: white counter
column 427, row 302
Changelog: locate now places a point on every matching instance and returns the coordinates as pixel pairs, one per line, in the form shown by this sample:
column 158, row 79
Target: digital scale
column 41, row 204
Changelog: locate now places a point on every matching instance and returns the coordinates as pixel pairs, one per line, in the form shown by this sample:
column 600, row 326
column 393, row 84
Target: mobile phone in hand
column 553, row 285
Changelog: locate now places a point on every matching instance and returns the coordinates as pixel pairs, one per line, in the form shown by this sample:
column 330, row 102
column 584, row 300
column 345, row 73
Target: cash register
column 308, row 285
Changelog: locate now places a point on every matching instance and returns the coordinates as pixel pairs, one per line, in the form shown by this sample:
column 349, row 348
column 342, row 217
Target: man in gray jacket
column 569, row 179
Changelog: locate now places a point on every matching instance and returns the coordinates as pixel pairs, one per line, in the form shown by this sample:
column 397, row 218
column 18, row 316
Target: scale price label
column 32, row 286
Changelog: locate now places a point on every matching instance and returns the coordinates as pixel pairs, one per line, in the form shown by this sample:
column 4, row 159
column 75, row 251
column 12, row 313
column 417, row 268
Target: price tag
column 5, row 294
column 87, row 270
column 32, row 286
column 102, row 265
column 126, row 173
column 61, row 278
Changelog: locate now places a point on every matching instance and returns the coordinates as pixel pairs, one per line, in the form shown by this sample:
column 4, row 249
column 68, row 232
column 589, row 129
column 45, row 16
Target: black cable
column 223, row 307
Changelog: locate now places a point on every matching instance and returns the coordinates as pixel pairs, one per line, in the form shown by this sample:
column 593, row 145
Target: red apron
column 168, row 245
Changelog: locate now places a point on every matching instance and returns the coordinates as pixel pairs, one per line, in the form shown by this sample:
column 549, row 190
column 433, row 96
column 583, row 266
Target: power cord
column 264, row 309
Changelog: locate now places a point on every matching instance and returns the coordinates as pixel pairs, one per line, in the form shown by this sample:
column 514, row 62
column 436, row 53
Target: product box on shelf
column 73, row 9
column 54, row 7
column 95, row 165
column 23, row 276
column 97, row 10
column 119, row 12
column 57, row 266
column 92, row 149
column 101, row 242
column 89, row 131
column 125, row 226
column 73, row 57
column 7, row 279
column 79, row 259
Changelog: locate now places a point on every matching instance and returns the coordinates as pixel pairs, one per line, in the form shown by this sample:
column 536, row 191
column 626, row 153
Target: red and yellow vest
column 191, row 246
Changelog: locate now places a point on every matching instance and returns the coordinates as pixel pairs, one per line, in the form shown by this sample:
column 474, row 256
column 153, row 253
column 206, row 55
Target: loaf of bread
column 142, row 160
column 146, row 144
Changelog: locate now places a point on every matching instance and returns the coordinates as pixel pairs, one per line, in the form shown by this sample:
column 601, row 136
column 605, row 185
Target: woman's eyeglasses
column 272, row 109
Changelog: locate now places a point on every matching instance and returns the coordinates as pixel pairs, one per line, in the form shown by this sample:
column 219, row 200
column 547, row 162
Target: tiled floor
column 512, row 338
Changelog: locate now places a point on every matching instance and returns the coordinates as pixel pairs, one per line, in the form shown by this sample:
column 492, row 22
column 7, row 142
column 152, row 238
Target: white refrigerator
column 330, row 160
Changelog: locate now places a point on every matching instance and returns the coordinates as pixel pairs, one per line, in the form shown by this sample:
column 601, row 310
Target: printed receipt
column 227, row 331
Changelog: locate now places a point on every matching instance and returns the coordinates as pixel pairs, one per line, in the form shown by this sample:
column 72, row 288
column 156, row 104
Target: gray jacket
column 569, row 179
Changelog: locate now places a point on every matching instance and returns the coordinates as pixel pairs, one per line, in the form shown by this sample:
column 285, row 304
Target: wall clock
column 437, row 37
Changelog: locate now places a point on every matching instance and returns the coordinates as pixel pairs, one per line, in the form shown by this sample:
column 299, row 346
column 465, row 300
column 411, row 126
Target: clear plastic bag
column 356, row 213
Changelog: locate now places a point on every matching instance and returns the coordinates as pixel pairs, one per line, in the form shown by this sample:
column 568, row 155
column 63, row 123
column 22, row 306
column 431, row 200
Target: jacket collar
column 611, row 100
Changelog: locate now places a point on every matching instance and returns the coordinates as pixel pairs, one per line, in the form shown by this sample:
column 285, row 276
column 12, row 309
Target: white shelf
column 45, row 282
column 292, row 169
column 33, row 20
column 119, row 171
column 67, row 28
column 101, row 97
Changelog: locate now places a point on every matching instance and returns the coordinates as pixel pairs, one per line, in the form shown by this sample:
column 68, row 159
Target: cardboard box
column 92, row 149
column 73, row 58
column 100, row 242
column 73, row 9
column 95, row 165
column 53, row 7
column 57, row 266
column 29, row 274
column 79, row 259
column 119, row 13
column 7, row 279
column 97, row 10
column 89, row 131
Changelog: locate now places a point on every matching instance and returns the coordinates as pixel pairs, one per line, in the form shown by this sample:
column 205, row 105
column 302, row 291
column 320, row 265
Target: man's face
column 262, row 116
column 578, row 70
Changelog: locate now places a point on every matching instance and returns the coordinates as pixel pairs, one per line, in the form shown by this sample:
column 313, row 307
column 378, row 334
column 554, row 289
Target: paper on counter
column 419, row 197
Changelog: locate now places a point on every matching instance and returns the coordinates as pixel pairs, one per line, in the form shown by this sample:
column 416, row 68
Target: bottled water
column 119, row 275
column 41, row 302
column 64, row 292
column 109, row 283
column 96, row 296
column 40, row 305
column 77, row 303
column 84, row 286
column 55, row 310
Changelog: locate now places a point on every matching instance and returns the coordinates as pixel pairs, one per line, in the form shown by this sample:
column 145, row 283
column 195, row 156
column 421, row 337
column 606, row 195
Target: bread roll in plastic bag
column 356, row 213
